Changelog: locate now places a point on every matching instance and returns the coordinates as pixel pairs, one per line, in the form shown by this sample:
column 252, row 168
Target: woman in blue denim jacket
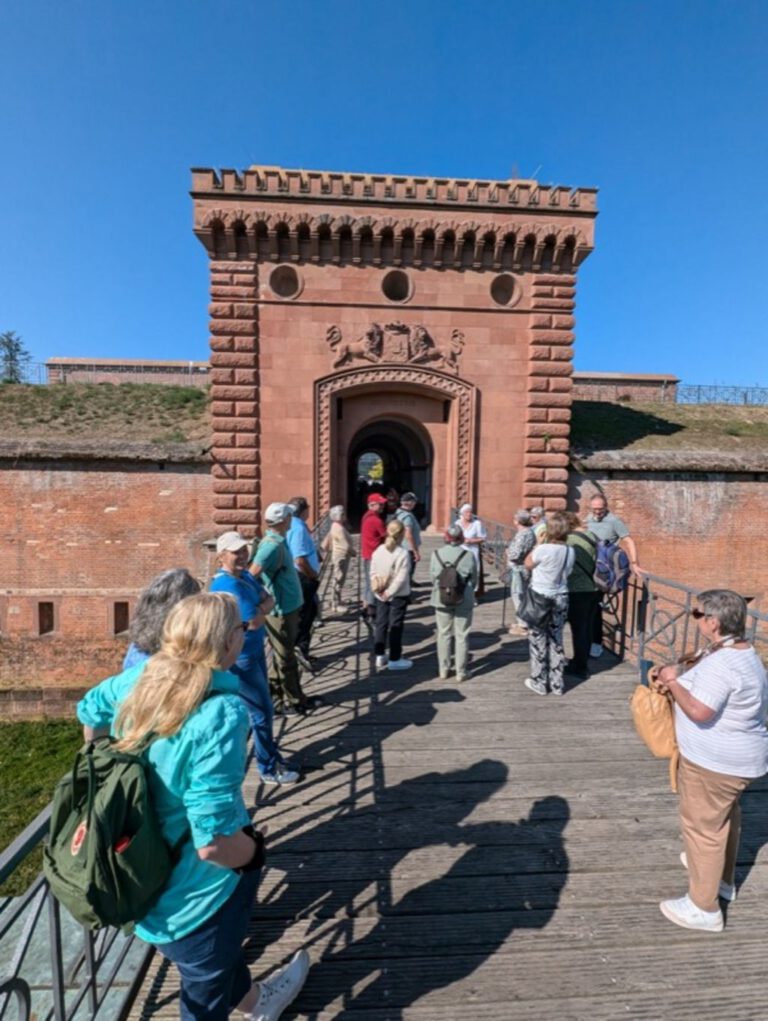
column 187, row 702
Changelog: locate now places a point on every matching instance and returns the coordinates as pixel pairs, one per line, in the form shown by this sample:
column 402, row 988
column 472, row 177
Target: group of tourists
column 195, row 682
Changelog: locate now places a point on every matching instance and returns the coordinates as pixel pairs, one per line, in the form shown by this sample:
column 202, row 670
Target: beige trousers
column 710, row 820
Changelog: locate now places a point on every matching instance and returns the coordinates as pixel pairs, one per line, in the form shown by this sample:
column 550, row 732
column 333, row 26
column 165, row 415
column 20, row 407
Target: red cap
column 376, row 498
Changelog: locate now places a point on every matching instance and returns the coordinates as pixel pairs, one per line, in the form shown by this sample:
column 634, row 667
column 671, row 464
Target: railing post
column 57, row 968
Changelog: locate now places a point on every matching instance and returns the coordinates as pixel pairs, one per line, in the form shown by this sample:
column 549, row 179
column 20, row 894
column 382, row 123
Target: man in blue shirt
column 254, row 603
column 304, row 553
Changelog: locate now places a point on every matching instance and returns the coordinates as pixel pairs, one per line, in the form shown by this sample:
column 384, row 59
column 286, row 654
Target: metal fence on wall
column 689, row 393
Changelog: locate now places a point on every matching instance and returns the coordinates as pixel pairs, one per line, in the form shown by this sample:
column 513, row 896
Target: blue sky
column 660, row 104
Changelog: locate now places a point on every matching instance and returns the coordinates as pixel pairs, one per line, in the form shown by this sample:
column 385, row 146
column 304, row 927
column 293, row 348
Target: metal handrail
column 82, row 964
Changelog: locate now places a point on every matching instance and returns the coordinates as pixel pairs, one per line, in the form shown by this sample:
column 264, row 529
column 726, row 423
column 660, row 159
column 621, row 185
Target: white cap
column 276, row 513
column 230, row 542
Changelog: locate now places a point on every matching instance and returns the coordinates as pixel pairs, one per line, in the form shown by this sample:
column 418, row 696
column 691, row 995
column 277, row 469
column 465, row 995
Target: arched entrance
column 388, row 454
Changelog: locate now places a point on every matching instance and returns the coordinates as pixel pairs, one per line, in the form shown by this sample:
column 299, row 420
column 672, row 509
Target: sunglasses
column 698, row 614
column 245, row 625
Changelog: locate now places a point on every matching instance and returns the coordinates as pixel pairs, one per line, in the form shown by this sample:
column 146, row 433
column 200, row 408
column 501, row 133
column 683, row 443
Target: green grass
column 33, row 758
column 597, row 425
column 125, row 411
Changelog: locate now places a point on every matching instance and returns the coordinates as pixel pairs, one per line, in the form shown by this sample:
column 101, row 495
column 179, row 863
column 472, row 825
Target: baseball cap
column 376, row 498
column 276, row 513
column 408, row 498
column 230, row 542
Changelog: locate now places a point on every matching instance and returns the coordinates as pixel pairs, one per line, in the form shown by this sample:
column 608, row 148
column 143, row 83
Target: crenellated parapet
column 274, row 215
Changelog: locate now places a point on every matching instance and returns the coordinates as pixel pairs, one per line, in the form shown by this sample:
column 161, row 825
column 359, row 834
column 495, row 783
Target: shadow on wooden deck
column 461, row 851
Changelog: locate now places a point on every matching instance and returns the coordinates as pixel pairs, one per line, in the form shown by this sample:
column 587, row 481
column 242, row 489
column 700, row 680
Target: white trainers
column 381, row 662
column 280, row 774
column 726, row 891
column 682, row 911
column 595, row 651
column 400, row 664
column 281, row 988
column 532, row 686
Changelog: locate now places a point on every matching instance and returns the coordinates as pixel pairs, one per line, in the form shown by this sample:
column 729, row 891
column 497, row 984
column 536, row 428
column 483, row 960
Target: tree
column 14, row 358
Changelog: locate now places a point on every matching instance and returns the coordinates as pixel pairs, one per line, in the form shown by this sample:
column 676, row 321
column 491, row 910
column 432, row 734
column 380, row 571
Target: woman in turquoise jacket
column 187, row 703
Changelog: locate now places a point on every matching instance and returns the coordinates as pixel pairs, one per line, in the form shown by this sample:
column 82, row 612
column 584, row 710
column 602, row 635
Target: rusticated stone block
column 550, row 400
column 538, row 384
column 551, row 369
column 555, row 304
column 221, row 343
column 220, row 292
column 224, row 376
column 247, row 408
column 222, row 471
column 245, row 310
column 223, row 501
column 541, row 321
column 562, row 354
column 559, row 414
column 564, row 322
column 543, row 460
column 545, row 489
column 220, row 310
column 222, row 408
column 555, row 503
column 233, row 359
column 246, row 344
column 234, row 486
column 541, row 291
column 247, row 439
column 533, row 475
column 232, row 519
column 540, row 353
column 556, row 474
column 223, row 440
column 547, row 429
column 236, row 393
column 559, row 445
column 245, row 376
column 247, row 502
column 536, row 414
column 238, row 327
column 248, row 471
column 565, row 292
column 237, row 455
column 561, row 384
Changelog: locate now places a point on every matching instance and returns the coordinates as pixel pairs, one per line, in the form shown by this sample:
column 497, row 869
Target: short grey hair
column 336, row 513
column 523, row 517
column 727, row 607
column 454, row 534
column 536, row 512
column 154, row 605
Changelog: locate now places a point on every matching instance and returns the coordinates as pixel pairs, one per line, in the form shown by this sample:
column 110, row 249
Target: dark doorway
column 389, row 454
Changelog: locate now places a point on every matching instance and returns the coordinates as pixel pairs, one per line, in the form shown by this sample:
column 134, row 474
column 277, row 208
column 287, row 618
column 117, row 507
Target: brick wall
column 704, row 529
column 618, row 388
column 113, row 370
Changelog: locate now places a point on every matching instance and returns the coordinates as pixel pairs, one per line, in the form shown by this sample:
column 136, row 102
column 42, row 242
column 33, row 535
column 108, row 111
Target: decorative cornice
column 285, row 236
column 322, row 185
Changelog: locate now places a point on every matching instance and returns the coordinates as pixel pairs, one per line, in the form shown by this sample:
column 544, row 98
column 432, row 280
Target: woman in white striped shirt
column 720, row 710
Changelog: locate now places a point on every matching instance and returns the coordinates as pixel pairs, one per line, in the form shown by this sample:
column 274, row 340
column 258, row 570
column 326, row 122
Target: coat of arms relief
column 396, row 343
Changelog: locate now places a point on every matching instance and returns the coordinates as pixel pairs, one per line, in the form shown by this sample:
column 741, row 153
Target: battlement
column 280, row 183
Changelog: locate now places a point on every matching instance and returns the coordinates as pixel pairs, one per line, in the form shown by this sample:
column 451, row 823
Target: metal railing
column 50, row 966
column 689, row 393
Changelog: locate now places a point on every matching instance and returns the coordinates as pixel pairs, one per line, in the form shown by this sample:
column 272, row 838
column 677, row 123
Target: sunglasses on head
column 698, row 614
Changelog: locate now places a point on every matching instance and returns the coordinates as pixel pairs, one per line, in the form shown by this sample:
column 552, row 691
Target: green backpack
column 106, row 859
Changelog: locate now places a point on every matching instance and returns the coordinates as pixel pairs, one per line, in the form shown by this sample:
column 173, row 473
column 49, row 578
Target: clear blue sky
column 106, row 104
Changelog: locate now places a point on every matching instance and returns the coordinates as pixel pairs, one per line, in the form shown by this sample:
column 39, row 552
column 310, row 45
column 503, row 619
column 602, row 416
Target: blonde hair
column 395, row 533
column 176, row 680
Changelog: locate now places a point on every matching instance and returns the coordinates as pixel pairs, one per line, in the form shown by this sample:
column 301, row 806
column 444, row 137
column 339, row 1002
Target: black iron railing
column 50, row 966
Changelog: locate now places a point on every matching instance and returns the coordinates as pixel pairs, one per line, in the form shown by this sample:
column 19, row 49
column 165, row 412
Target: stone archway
column 452, row 405
column 406, row 455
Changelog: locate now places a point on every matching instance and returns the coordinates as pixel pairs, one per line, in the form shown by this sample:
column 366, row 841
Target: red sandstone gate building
column 427, row 320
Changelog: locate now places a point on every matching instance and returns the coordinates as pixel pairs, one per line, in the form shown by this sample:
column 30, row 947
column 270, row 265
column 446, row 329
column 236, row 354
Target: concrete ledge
column 102, row 450
column 671, row 461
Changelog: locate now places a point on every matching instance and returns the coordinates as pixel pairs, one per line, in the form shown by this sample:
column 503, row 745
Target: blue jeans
column 251, row 670
column 214, row 974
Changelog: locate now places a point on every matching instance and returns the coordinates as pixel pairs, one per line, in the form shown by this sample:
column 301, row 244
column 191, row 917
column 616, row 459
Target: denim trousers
column 251, row 670
column 211, row 962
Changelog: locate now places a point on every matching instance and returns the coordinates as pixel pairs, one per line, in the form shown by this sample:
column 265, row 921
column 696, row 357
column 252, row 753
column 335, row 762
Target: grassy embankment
column 33, row 757
column 148, row 412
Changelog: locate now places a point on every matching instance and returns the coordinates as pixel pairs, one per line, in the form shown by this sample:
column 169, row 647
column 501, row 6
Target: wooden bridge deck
column 476, row 851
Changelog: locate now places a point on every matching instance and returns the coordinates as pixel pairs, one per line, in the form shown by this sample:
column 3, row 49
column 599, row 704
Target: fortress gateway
column 429, row 321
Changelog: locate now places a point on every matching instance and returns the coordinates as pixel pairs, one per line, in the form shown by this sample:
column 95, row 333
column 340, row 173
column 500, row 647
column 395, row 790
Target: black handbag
column 534, row 608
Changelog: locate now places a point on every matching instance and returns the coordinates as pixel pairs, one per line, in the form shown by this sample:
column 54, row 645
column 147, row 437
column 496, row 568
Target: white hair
column 336, row 513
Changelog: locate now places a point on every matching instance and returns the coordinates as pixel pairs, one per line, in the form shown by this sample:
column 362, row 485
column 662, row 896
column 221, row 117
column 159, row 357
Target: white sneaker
column 400, row 664
column 280, row 774
column 381, row 662
column 532, row 686
column 726, row 891
column 595, row 651
column 281, row 988
column 682, row 911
